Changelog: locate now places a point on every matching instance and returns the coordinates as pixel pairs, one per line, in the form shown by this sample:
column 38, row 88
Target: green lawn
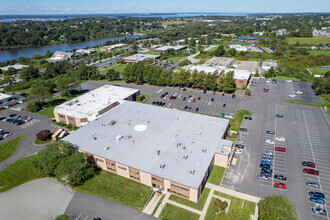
column 18, row 173
column 117, row 67
column 318, row 71
column 319, row 52
column 7, row 149
column 309, row 40
column 326, row 103
column 62, row 217
column 235, row 123
column 152, row 52
column 158, row 204
column 171, row 212
column 304, row 103
column 199, row 205
column 147, row 97
column 175, row 59
column 287, row 78
column 216, row 175
column 118, row 189
column 210, row 214
column 236, row 203
column 38, row 142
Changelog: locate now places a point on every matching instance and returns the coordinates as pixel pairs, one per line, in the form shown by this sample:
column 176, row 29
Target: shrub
column 43, row 135
column 69, row 126
column 33, row 107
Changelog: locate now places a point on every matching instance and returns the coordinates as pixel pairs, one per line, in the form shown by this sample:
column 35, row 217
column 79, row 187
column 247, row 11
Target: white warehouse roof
column 141, row 57
column 89, row 104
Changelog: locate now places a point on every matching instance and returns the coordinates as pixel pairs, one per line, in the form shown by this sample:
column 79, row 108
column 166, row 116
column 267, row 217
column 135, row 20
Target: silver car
column 263, row 177
column 240, row 141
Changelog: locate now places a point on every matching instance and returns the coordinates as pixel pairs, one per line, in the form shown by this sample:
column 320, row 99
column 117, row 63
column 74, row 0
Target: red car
column 194, row 100
column 266, row 91
column 171, row 97
column 185, row 108
column 311, row 171
column 282, row 149
column 280, row 185
column 308, row 164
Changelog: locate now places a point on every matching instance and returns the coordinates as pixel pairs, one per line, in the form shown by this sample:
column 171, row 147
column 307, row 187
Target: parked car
column 280, row 139
column 184, row 99
column 268, row 170
column 237, row 151
column 248, row 117
column 280, row 177
column 317, row 200
column 265, row 174
column 279, row 115
column 233, row 96
column 311, row 171
column 289, row 81
column 194, row 100
column 240, row 141
column 312, row 184
column 243, row 129
column 317, row 195
column 298, row 92
column 280, row 185
column 269, row 142
column 197, row 109
column 270, row 132
column 268, row 153
column 2, row 118
column 185, row 108
column 240, row 146
column 264, row 165
column 308, row 164
column 224, row 105
column 266, row 157
column 281, row 149
column 319, row 211
column 12, row 115
column 292, row 96
column 266, row 162
column 263, row 177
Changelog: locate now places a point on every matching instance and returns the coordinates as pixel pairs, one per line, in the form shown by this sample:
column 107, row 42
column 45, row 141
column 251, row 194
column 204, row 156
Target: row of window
column 180, row 187
column 121, row 167
column 134, row 177
column 134, row 171
column 180, row 194
column 157, row 180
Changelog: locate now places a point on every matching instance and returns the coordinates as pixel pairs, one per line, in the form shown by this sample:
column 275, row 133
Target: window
column 134, row 177
column 121, row 167
column 99, row 160
column 109, row 168
column 157, row 180
column 180, row 194
column 180, row 187
column 134, row 171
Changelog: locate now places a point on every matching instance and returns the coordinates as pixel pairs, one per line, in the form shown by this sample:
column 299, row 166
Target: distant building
column 266, row 65
column 323, row 32
column 224, row 62
column 260, row 33
column 281, row 32
column 111, row 47
column 160, row 48
column 238, row 47
column 149, row 40
column 5, row 97
column 16, row 67
column 251, row 66
column 140, row 57
column 169, row 150
column 60, row 56
column 83, row 51
column 88, row 107
column 228, row 35
column 247, row 39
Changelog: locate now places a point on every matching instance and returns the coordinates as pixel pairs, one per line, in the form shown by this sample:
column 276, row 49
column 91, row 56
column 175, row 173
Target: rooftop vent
column 204, row 150
column 158, row 152
column 119, row 137
column 192, row 172
column 162, row 166
column 185, row 157
column 112, row 122
column 106, row 148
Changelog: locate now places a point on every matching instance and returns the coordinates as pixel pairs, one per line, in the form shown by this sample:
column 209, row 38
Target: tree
column 48, row 54
column 40, row 94
column 43, row 135
column 29, row 73
column 232, row 51
column 74, row 170
column 248, row 92
column 257, row 74
column 276, row 207
column 112, row 75
column 229, row 83
column 67, row 86
column 86, row 72
column 220, row 206
column 220, row 51
column 11, row 70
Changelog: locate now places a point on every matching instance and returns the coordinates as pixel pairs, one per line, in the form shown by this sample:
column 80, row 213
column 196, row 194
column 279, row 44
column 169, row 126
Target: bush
column 33, row 107
column 69, row 126
column 43, row 135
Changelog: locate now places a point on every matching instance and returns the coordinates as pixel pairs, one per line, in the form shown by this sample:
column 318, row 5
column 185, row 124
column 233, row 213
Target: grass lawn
column 38, row 142
column 318, row 71
column 62, row 217
column 172, row 212
column 236, row 203
column 309, row 40
column 216, row 175
column 175, row 59
column 319, row 52
column 7, row 149
column 235, row 123
column 158, row 204
column 116, row 188
column 117, row 67
column 304, row 103
column 210, row 214
column 199, row 205
column 18, row 173
column 152, row 52
column 147, row 97
column 326, row 103
column 287, row 78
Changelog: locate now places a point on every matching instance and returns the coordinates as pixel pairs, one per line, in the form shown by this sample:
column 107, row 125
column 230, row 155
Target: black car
column 233, row 96
column 184, row 89
column 240, row 146
column 248, row 117
column 199, row 98
column 265, row 165
column 224, row 105
column 12, row 115
column 270, row 132
column 212, row 100
column 243, row 129
column 268, row 170
column 279, row 116
column 184, row 99
column 2, row 118
column 197, row 109
column 223, row 94
column 280, row 177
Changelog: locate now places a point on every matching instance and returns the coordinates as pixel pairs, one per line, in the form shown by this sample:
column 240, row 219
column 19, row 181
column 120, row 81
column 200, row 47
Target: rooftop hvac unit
column 119, row 137
column 106, row 148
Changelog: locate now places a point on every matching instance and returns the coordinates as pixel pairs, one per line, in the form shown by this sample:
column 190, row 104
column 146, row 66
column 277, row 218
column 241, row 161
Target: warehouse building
column 251, row 66
column 88, row 107
column 5, row 98
column 266, row 65
column 160, row 48
column 219, row 62
column 140, row 57
column 60, row 56
column 172, row 151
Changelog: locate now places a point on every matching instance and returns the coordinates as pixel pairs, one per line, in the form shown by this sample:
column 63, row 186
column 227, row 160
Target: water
column 12, row 54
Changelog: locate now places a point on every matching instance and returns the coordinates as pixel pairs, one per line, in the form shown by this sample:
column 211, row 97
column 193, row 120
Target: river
column 12, row 54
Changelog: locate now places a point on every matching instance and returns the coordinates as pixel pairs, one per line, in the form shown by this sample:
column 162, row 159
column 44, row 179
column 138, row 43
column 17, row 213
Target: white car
column 169, row 105
column 280, row 138
column 238, row 151
column 292, row 96
column 240, row 141
column 289, row 81
column 298, row 92
column 269, row 142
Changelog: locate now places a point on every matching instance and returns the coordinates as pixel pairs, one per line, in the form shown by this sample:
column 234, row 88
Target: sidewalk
column 206, row 206
column 152, row 203
column 160, row 208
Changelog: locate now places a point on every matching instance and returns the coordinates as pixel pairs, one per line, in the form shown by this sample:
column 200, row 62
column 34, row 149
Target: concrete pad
column 38, row 199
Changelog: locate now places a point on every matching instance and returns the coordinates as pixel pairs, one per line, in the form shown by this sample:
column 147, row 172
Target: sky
column 16, row 7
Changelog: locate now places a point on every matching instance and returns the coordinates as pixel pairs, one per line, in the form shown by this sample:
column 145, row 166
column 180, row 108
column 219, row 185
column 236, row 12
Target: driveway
column 38, row 199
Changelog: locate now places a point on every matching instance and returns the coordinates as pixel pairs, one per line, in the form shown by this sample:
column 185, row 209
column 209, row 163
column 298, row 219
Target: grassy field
column 210, row 214
column 305, row 103
column 199, row 205
column 7, row 149
column 309, row 41
column 147, row 97
column 235, row 123
column 152, row 52
column 237, row 202
column 62, row 217
column 38, row 142
column 18, row 173
column 158, row 204
column 216, row 175
column 173, row 22
column 318, row 71
column 118, row 189
column 117, row 67
column 319, row 52
column 171, row 212
column 175, row 59
column 287, row 78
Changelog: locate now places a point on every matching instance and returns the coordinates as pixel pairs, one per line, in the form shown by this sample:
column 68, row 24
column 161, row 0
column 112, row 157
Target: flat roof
column 89, row 104
column 140, row 57
column 220, row 61
column 16, row 66
column 246, row 65
column 5, row 96
column 59, row 56
column 164, row 48
column 168, row 143
column 269, row 63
